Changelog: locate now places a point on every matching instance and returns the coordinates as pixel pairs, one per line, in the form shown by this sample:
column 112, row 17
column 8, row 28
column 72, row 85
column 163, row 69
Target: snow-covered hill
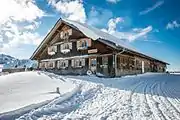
column 11, row 62
column 150, row 96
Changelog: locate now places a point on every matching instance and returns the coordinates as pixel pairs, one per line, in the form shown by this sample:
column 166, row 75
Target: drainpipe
column 115, row 64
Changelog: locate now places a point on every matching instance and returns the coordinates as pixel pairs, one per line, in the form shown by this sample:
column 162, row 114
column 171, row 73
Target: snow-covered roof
column 94, row 34
column 97, row 34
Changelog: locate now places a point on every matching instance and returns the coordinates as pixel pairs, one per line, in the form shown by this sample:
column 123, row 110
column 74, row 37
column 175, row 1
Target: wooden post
column 115, row 64
column 38, row 67
column 57, row 90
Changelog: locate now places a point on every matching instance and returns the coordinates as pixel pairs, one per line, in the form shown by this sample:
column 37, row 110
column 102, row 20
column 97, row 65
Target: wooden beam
column 115, row 57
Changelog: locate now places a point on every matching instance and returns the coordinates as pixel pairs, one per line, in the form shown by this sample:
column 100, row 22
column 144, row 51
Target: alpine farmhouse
column 75, row 48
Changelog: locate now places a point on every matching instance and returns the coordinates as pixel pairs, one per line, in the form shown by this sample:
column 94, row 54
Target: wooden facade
column 66, row 50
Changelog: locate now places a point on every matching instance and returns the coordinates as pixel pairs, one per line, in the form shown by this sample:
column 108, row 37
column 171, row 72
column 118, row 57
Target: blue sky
column 151, row 26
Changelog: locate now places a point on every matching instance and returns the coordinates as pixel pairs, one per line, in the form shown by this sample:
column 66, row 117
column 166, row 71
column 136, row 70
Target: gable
column 54, row 36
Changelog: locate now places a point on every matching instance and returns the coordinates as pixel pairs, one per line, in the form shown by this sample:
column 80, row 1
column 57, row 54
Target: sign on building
column 93, row 51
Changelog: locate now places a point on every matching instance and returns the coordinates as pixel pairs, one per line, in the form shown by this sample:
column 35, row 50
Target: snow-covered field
column 143, row 97
column 23, row 89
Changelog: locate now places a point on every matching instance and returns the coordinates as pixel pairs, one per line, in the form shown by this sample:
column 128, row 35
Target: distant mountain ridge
column 11, row 62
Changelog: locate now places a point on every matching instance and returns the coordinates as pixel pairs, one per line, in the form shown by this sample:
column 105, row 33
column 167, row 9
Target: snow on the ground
column 19, row 90
column 176, row 73
column 143, row 97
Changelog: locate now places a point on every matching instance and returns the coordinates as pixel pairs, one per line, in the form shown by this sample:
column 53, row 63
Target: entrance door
column 93, row 64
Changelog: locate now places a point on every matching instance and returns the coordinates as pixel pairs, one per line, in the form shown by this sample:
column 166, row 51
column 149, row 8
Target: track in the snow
column 144, row 97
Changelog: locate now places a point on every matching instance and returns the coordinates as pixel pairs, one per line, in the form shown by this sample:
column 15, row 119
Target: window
column 51, row 64
column 42, row 65
column 147, row 66
column 62, row 64
column 93, row 62
column 104, row 62
column 78, row 62
column 52, row 50
column 138, row 64
column 83, row 44
column 66, row 47
column 66, row 34
column 126, row 62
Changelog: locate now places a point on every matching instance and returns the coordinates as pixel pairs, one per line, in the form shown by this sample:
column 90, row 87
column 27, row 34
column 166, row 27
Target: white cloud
column 141, row 33
column 113, row 1
column 113, row 23
column 17, row 37
column 133, row 35
column 17, row 20
column 70, row 9
column 172, row 25
column 32, row 26
column 156, row 5
column 19, row 10
column 137, row 29
column 99, row 16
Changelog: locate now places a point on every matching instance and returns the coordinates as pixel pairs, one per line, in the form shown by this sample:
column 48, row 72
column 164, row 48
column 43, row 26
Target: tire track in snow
column 142, row 87
column 129, row 101
column 153, row 103
column 174, row 100
column 170, row 105
column 163, row 103
column 174, row 94
column 147, row 112
column 150, row 92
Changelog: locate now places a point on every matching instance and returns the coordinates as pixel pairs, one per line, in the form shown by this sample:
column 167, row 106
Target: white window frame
column 80, row 46
column 61, row 62
column 51, row 62
column 64, row 49
column 42, row 65
column 76, row 63
column 52, row 50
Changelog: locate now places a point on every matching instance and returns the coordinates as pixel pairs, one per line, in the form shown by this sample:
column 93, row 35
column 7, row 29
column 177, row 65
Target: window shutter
column 77, row 44
column 72, row 62
column 55, row 48
column 70, row 46
column 89, row 42
column 53, row 64
column 58, row 64
column 62, row 35
column 62, row 47
column 83, row 62
column 45, row 65
column 70, row 31
column 66, row 63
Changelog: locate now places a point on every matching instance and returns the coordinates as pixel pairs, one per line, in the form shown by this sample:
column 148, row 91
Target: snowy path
column 142, row 97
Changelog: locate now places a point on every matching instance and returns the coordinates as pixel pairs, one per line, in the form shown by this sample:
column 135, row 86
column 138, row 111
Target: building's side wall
column 130, row 64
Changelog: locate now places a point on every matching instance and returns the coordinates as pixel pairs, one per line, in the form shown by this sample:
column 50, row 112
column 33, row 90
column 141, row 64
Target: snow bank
column 18, row 90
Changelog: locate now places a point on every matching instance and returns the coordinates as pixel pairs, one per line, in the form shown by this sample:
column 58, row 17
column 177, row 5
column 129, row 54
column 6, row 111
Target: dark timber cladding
column 75, row 48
